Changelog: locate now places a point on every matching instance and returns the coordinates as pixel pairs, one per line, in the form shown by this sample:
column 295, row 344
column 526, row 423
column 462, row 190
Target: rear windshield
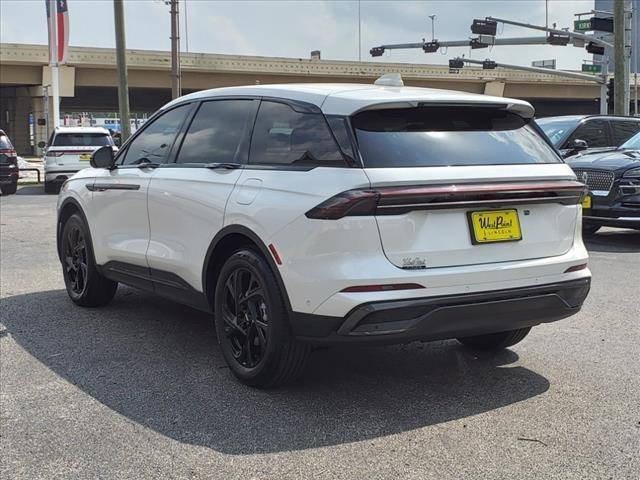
column 82, row 140
column 5, row 144
column 445, row 136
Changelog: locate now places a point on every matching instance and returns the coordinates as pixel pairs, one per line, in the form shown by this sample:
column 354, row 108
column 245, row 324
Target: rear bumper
column 52, row 175
column 452, row 316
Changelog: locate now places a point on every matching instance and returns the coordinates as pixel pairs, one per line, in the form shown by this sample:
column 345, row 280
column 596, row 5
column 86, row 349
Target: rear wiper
column 225, row 165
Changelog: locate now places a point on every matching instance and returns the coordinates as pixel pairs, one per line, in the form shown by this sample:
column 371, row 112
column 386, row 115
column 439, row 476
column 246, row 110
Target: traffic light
column 489, row 65
column 594, row 48
column 602, row 24
column 456, row 63
column 376, row 51
column 610, row 95
column 476, row 43
column 556, row 39
column 430, row 47
column 484, row 27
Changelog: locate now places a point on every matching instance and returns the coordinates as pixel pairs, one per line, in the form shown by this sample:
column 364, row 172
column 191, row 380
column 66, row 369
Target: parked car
column 9, row 172
column 320, row 214
column 574, row 133
column 613, row 178
column 69, row 150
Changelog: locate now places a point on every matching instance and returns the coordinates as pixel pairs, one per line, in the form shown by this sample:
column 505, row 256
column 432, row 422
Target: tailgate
column 474, row 215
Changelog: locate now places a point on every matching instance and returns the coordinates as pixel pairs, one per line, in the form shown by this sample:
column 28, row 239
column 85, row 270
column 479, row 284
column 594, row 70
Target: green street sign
column 590, row 68
column 582, row 25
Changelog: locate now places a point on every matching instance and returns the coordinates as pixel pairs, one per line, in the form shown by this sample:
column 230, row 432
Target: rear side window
column 82, row 140
column 217, row 131
column 282, row 136
column 594, row 132
column 445, row 136
column 154, row 142
column 623, row 131
column 5, row 144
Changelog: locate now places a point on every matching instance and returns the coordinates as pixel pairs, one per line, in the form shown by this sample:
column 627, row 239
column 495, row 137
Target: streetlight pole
column 121, row 59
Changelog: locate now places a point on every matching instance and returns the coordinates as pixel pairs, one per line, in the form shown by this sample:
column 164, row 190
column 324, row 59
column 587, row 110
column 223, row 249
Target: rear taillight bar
column 398, row 200
column 60, row 153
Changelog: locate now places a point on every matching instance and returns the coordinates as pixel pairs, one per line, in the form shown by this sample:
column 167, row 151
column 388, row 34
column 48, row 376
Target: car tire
column 85, row 285
column 495, row 341
column 588, row 230
column 9, row 189
column 252, row 324
column 51, row 187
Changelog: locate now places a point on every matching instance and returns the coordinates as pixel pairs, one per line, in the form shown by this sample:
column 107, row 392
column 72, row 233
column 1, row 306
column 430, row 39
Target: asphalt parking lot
column 139, row 389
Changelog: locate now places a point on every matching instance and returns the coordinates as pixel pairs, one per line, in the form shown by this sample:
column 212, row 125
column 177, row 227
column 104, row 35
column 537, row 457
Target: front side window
column 217, row 131
column 282, row 136
column 623, row 131
column 594, row 132
column 434, row 136
column 82, row 140
column 155, row 141
column 557, row 129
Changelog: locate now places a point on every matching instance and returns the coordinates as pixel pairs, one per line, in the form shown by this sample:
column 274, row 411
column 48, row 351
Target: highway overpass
column 88, row 82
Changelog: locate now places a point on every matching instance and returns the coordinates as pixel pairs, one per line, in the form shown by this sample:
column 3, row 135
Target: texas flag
column 58, row 25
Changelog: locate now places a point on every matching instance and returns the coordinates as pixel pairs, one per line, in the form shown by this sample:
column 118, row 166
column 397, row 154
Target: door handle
column 101, row 187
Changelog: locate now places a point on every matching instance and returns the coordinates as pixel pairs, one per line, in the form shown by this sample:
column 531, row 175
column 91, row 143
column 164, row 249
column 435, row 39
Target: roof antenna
column 390, row 80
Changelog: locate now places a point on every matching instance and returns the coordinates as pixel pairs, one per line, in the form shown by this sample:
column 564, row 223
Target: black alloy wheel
column 246, row 317
column 252, row 323
column 75, row 260
column 85, row 285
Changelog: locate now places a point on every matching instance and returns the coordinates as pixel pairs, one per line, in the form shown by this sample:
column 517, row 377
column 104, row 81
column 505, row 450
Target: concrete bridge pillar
column 15, row 106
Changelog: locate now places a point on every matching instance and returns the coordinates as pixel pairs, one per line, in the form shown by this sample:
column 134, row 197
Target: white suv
column 69, row 150
column 303, row 215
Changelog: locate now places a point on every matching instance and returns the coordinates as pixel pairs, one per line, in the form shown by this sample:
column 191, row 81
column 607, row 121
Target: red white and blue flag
column 58, row 25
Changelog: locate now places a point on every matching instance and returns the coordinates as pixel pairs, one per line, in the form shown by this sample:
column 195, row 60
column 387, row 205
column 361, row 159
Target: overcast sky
column 294, row 28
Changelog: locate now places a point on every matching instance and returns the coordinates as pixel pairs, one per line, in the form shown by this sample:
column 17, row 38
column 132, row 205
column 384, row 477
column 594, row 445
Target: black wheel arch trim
column 242, row 230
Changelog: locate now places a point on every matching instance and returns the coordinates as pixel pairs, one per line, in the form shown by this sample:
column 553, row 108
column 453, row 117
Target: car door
column 594, row 131
column 188, row 196
column 120, row 220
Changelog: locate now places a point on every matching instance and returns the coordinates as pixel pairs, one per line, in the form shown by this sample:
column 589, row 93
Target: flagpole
column 55, row 79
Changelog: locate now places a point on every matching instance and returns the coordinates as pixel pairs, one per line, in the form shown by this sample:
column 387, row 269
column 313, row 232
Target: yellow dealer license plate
column 85, row 157
column 586, row 202
column 494, row 226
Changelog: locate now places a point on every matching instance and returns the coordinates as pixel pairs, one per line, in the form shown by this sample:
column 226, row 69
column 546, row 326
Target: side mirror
column 103, row 157
column 579, row 145
column 42, row 144
column 574, row 147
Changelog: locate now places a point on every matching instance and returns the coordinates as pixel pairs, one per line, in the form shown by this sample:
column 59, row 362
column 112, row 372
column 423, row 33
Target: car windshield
column 443, row 136
column 632, row 144
column 82, row 140
column 5, row 144
column 557, row 128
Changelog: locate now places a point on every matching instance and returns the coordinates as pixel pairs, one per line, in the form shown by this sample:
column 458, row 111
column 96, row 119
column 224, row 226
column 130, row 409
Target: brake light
column 8, row 151
column 398, row 200
column 382, row 288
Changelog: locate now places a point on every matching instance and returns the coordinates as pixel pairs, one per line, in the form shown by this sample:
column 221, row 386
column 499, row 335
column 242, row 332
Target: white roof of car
column 82, row 130
column 350, row 98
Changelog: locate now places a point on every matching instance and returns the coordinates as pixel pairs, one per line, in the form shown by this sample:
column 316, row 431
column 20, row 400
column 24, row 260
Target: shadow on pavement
column 32, row 190
column 158, row 364
column 619, row 240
